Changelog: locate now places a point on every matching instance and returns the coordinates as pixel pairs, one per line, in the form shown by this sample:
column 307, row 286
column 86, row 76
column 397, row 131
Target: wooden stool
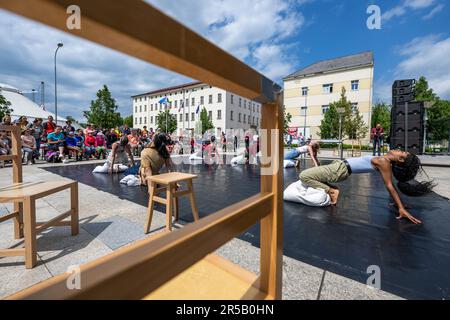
column 169, row 182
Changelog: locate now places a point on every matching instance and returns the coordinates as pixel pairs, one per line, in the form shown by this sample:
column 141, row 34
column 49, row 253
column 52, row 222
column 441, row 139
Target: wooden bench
column 169, row 182
column 24, row 195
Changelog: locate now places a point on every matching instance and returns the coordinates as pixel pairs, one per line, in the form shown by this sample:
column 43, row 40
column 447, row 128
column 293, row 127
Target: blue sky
column 276, row 37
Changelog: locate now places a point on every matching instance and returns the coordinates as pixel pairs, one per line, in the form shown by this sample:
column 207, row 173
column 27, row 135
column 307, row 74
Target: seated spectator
column 133, row 140
column 72, row 145
column 89, row 144
column 125, row 130
column 28, row 146
column 22, row 123
column 88, row 130
column 100, row 145
column 56, row 141
column 49, row 126
column 68, row 128
column 36, row 131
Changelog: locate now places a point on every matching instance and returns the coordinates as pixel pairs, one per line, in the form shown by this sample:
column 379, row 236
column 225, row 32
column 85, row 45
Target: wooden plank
column 29, row 215
column 12, row 252
column 138, row 29
column 37, row 189
column 160, row 200
column 9, row 128
column 271, row 236
column 17, row 152
column 74, row 216
column 7, row 158
column 52, row 222
column 212, row 278
column 171, row 177
column 56, row 224
column 136, row 270
column 9, row 216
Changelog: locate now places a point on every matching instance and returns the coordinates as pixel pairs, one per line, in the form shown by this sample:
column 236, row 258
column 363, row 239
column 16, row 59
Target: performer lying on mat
column 312, row 149
column 120, row 154
column 403, row 165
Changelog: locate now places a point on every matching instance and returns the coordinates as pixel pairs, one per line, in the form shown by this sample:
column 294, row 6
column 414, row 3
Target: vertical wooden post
column 74, row 208
column 272, row 225
column 17, row 153
column 30, row 232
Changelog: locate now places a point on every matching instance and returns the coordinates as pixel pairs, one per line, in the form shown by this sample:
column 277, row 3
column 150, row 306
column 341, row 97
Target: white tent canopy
column 22, row 106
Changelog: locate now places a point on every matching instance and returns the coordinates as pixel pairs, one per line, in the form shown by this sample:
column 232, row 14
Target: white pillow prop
column 105, row 168
column 298, row 192
column 195, row 156
column 288, row 164
column 237, row 160
column 131, row 181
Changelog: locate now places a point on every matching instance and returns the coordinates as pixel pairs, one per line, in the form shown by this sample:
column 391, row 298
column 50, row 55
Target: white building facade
column 226, row 110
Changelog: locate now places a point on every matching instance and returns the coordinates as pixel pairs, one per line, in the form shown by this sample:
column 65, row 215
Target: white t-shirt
column 303, row 149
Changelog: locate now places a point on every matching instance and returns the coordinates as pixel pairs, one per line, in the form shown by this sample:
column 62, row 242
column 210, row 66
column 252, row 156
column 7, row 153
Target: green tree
column 423, row 92
column 167, row 122
column 329, row 126
column 128, row 121
column 103, row 111
column 381, row 114
column 4, row 107
column 205, row 121
column 287, row 121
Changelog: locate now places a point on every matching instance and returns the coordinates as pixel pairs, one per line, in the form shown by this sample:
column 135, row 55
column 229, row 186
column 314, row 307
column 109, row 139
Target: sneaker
column 29, row 163
column 65, row 161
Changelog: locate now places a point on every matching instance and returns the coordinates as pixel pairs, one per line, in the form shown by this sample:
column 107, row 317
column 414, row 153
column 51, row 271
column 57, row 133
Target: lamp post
column 427, row 105
column 341, row 112
column 305, row 108
column 56, row 98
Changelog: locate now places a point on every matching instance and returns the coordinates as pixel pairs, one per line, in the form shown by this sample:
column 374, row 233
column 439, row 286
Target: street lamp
column 341, row 112
column 56, row 99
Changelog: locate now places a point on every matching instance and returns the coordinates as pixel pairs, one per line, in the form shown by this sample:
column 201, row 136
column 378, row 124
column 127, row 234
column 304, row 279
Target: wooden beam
column 136, row 270
column 12, row 252
column 9, row 216
column 53, row 222
column 7, row 158
column 271, row 237
column 138, row 29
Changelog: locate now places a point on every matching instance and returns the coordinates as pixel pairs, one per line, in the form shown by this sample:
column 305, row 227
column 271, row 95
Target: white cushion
column 288, row 164
column 105, row 168
column 297, row 192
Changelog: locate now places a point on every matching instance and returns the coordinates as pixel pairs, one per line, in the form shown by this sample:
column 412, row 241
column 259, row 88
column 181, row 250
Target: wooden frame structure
column 24, row 196
column 137, row 29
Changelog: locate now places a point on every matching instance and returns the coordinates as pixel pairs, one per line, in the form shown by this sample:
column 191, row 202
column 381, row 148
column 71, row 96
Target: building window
column 135, row 120
column 257, row 109
column 140, row 108
column 219, row 114
column 140, row 99
column 303, row 110
column 151, row 119
column 244, row 117
column 355, row 85
column 145, row 98
column 140, row 120
column 253, row 120
column 151, row 107
column 304, row 91
column 210, row 115
column 192, row 116
column 328, row 88
column 135, row 109
column 186, row 117
column 210, row 99
column 354, row 106
column 156, row 119
column 325, row 108
column 232, row 99
column 239, row 119
column 145, row 120
column 219, row 97
column 187, row 102
column 176, row 103
column 202, row 100
column 240, row 102
column 193, row 102
column 245, row 104
column 135, row 99
column 181, row 117
column 231, row 115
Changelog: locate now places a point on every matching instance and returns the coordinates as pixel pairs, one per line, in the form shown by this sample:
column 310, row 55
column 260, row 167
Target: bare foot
column 334, row 195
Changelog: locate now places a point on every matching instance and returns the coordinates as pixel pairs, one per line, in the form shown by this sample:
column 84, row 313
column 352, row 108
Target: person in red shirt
column 100, row 145
column 49, row 126
column 89, row 144
column 377, row 135
column 133, row 140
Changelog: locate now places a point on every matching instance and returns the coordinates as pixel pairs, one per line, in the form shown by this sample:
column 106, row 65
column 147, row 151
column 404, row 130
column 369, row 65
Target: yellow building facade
column 309, row 91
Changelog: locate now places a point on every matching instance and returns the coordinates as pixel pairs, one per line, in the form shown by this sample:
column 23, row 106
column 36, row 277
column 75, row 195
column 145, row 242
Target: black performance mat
column 359, row 232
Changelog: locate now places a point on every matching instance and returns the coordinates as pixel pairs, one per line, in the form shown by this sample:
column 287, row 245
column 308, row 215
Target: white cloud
column 434, row 12
column 406, row 5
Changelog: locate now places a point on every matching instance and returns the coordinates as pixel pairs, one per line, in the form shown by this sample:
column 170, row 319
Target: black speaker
column 403, row 91
column 414, row 131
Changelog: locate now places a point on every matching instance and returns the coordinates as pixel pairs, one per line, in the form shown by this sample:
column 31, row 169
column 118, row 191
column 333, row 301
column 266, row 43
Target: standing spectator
column 28, row 146
column 235, row 143
column 301, row 139
column 89, row 129
column 49, row 126
column 377, row 136
column 247, row 149
column 192, row 145
column 224, row 142
column 144, row 131
column 37, row 131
